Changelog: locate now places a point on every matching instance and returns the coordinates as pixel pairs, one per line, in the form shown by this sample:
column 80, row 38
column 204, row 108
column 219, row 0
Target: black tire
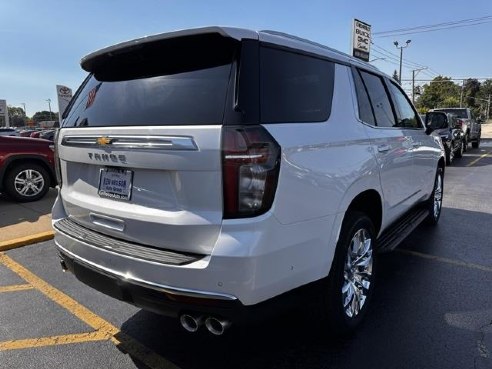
column 434, row 203
column 331, row 306
column 459, row 153
column 476, row 144
column 36, row 182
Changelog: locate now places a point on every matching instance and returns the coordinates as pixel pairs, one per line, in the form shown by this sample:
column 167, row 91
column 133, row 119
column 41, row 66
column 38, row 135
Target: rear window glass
column 294, row 87
column 379, row 100
column 172, row 82
column 460, row 113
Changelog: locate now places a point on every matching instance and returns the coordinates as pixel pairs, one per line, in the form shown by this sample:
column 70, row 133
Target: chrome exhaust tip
column 217, row 326
column 190, row 323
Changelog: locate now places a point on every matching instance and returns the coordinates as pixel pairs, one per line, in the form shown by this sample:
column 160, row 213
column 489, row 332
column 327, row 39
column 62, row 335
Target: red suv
column 26, row 168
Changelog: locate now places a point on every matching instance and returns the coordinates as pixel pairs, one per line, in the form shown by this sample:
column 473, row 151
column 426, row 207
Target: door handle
column 416, row 144
column 384, row 148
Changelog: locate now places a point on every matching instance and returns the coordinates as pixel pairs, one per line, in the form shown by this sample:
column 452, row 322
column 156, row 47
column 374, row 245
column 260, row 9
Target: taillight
column 459, row 123
column 250, row 169
column 57, row 158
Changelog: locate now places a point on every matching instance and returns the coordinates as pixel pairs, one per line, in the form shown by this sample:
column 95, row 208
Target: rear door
column 140, row 146
column 390, row 145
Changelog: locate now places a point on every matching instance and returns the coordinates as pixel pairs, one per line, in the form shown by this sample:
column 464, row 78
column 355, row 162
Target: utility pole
column 488, row 109
column 461, row 94
column 24, row 105
column 401, row 56
column 414, row 73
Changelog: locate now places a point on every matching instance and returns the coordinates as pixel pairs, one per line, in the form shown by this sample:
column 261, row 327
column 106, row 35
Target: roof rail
column 287, row 35
column 292, row 37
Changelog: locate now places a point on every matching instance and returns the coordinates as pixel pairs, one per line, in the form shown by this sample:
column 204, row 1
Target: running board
column 398, row 231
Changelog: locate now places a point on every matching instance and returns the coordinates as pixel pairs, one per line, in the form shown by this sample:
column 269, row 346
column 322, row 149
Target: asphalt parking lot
column 432, row 307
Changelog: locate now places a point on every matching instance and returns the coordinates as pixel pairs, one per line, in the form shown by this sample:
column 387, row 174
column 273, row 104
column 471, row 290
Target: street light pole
column 401, row 55
column 49, row 106
column 414, row 73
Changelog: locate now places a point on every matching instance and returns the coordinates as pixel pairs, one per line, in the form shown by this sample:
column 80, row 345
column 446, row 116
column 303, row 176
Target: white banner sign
column 4, row 112
column 361, row 40
column 64, row 96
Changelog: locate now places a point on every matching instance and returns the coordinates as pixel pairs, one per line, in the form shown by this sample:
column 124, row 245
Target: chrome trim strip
column 134, row 142
column 147, row 284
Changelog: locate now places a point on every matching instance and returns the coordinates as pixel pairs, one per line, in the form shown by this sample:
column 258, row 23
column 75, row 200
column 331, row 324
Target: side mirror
column 437, row 119
column 428, row 129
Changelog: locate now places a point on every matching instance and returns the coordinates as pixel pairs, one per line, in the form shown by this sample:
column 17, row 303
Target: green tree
column 44, row 115
column 483, row 96
column 470, row 91
column 17, row 116
column 395, row 76
column 450, row 102
column 437, row 91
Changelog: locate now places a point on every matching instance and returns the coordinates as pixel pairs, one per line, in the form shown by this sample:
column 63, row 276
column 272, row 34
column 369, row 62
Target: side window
column 407, row 117
column 379, row 100
column 294, row 87
column 365, row 109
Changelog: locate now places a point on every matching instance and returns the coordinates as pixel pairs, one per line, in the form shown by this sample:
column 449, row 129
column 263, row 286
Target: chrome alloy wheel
column 437, row 196
column 29, row 182
column 357, row 273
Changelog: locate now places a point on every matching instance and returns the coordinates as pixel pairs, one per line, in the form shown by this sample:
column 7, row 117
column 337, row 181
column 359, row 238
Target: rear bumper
column 253, row 260
column 171, row 302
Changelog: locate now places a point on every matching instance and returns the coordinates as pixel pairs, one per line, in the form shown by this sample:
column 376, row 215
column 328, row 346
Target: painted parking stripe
column 101, row 326
column 53, row 341
column 16, row 287
column 446, row 260
column 479, row 158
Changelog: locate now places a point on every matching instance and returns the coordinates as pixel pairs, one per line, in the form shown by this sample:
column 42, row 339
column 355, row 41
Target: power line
column 394, row 59
column 449, row 79
column 394, row 56
column 433, row 30
column 471, row 21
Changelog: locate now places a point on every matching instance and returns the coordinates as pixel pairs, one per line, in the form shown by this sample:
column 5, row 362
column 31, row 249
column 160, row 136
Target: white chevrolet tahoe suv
column 211, row 173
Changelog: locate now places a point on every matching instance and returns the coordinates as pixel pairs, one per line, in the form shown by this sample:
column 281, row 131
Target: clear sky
column 42, row 41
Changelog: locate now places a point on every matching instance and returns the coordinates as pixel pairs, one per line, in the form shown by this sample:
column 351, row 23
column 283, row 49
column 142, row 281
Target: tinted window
column 294, row 87
column 180, row 81
column 460, row 113
column 379, row 100
column 407, row 117
column 365, row 110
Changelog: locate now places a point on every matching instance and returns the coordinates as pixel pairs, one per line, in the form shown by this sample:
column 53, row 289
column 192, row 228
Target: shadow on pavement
column 424, row 314
column 12, row 213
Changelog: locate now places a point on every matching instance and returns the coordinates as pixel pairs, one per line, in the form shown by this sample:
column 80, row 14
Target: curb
column 27, row 240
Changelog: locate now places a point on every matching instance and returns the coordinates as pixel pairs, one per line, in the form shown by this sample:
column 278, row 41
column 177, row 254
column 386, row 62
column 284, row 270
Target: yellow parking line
column 16, row 287
column 122, row 340
column 26, row 240
column 53, row 341
column 477, row 159
column 447, row 261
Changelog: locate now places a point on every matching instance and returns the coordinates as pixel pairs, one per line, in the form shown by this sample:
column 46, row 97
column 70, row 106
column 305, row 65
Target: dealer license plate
column 115, row 183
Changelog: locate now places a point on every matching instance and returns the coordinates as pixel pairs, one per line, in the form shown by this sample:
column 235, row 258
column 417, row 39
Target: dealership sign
column 64, row 96
column 361, row 40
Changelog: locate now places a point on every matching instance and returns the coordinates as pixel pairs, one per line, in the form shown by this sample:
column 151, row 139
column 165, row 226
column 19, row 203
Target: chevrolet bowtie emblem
column 104, row 140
